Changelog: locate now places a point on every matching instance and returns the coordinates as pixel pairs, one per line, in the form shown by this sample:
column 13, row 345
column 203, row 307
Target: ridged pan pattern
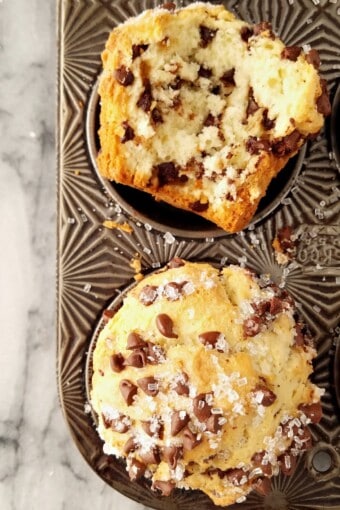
column 94, row 262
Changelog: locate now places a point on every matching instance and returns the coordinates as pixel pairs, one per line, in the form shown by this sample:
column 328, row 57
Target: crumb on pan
column 124, row 227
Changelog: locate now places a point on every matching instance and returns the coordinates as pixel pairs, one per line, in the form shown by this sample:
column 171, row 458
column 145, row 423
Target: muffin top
column 201, row 381
column 202, row 110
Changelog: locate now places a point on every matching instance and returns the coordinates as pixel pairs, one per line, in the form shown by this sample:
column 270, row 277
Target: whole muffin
column 202, row 110
column 201, row 381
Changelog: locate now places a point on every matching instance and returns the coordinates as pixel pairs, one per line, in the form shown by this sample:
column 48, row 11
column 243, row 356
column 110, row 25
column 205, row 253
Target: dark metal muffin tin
column 94, row 261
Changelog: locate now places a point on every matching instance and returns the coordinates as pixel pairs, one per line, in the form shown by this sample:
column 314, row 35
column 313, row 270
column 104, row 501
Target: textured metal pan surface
column 94, row 261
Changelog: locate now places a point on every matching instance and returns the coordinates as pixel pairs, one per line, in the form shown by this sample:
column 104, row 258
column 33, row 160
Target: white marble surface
column 40, row 468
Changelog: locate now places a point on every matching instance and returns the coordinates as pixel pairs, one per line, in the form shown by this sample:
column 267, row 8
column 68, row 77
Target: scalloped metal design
column 94, row 261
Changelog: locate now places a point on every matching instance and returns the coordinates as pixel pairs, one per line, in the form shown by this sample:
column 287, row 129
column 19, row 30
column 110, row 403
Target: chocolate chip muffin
column 202, row 110
column 201, row 381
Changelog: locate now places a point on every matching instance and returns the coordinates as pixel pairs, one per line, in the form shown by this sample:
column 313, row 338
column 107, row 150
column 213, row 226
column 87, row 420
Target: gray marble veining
column 40, row 468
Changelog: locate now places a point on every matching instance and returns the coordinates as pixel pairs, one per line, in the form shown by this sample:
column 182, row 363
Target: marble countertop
column 40, row 468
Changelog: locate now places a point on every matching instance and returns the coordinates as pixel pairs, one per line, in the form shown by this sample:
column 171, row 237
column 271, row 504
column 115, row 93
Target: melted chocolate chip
column 234, row 475
column 313, row 58
column 135, row 341
column 287, row 144
column 312, row 411
column 258, row 461
column 145, row 99
column 302, row 440
column 129, row 133
column 201, row 409
column 211, row 120
column 291, row 53
column 251, row 326
column 137, row 359
column 227, row 78
column 205, row 72
column 323, row 104
column 107, row 315
column 117, row 362
column 252, row 105
column 136, row 470
column 209, row 338
column 275, row 306
column 138, row 49
column 168, row 173
column 165, row 325
column 130, row 445
column 206, row 34
column 176, row 262
column 198, row 206
column 263, row 26
column 149, row 385
column 254, row 145
column 267, row 123
column 156, row 115
column 287, row 464
column 262, row 486
column 269, row 396
column 246, row 33
column 190, row 440
column 124, row 76
column 179, row 419
column 128, row 390
column 213, row 425
column 172, row 454
column 165, row 487
column 148, row 295
column 151, row 456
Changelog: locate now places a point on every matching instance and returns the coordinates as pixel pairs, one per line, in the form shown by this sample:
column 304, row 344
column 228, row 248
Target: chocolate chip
column 262, row 486
column 165, row 487
column 128, row 390
column 181, row 387
column 173, row 290
column 303, row 440
column 263, row 26
column 210, row 338
column 206, row 35
column 211, row 120
column 129, row 133
column 176, row 262
column 145, row 99
column 291, row 53
column 155, row 354
column 275, row 306
column 251, row 326
column 258, row 461
column 234, row 475
column 148, row 295
column 149, row 385
column 120, row 424
column 287, row 144
column 246, row 33
column 124, row 76
column 201, row 409
column 284, row 236
column 323, row 105
column 137, row 359
column 213, row 423
column 165, row 325
column 135, row 341
column 150, row 456
column 287, row 464
column 227, row 78
column 179, row 420
column 190, row 440
column 301, row 336
column 198, row 206
column 269, row 396
column 172, row 454
column 312, row 411
column 168, row 173
column 156, row 115
column 107, row 315
column 267, row 123
column 216, row 90
column 254, row 145
column 138, row 49
column 117, row 362
column 313, row 58
column 252, row 105
column 130, row 445
column 136, row 470
column 204, row 72
column 153, row 428
column 169, row 6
